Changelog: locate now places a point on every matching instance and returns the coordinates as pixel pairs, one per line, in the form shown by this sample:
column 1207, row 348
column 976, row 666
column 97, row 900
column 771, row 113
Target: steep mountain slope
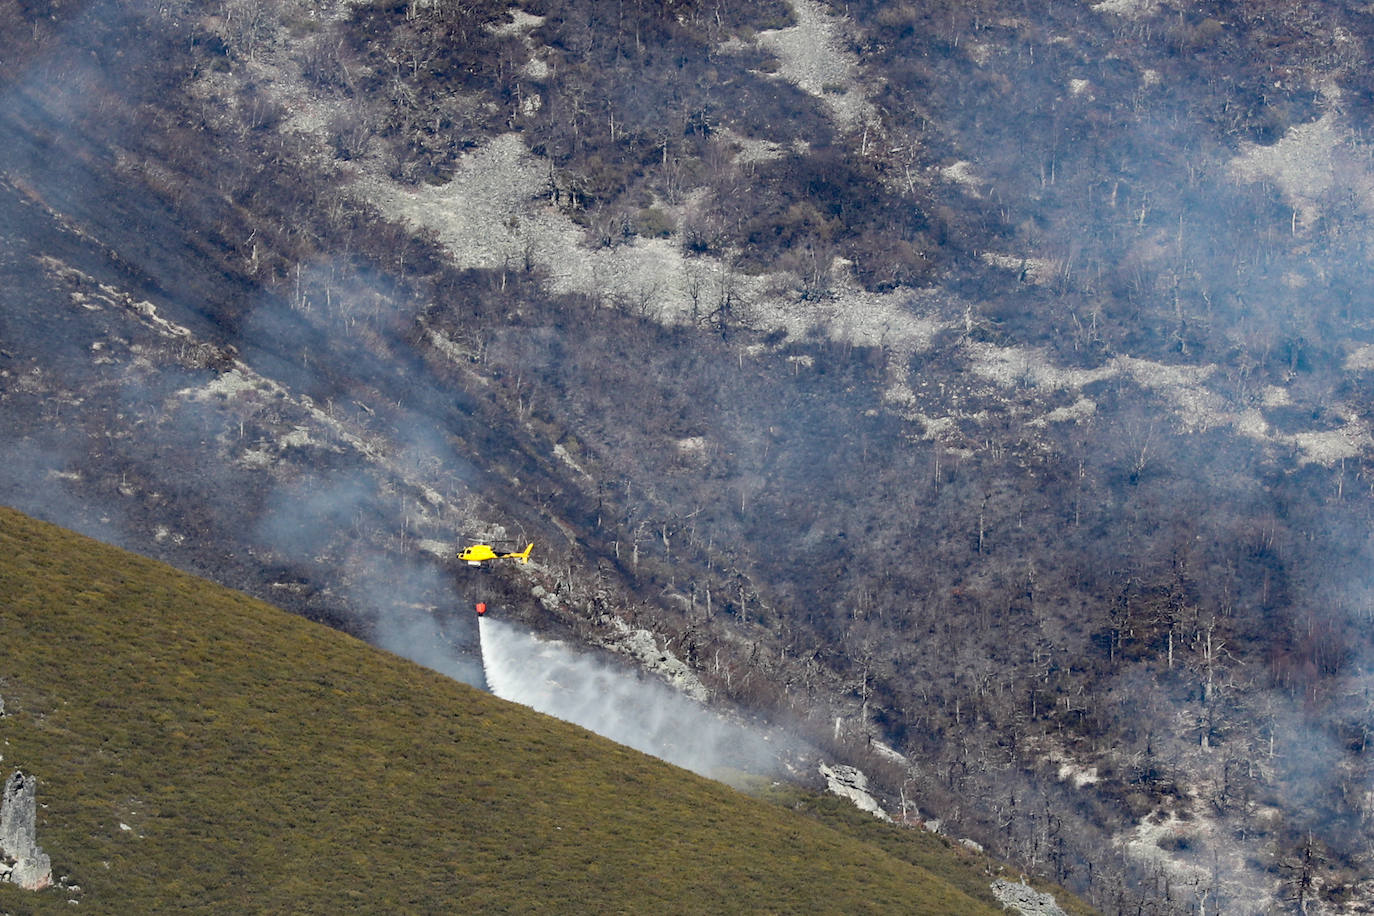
column 195, row 748
column 984, row 382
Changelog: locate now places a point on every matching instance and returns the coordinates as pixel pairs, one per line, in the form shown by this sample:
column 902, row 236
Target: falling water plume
column 619, row 703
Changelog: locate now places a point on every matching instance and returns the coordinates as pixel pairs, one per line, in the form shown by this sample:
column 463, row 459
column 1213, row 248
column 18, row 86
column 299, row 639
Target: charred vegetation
column 1109, row 514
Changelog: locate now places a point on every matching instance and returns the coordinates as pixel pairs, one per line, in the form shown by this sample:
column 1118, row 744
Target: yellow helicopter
column 477, row 554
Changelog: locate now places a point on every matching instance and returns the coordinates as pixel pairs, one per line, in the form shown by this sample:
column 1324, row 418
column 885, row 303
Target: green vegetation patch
column 197, row 749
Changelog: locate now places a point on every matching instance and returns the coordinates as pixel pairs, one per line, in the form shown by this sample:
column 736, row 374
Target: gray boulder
column 1026, row 900
column 851, row 783
column 32, row 869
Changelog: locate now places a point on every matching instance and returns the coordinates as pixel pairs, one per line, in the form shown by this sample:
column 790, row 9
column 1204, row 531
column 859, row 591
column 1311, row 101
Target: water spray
column 619, row 703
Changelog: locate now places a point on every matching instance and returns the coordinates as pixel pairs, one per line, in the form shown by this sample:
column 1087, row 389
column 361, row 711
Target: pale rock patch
column 1144, row 845
column 693, row 451
column 536, row 69
column 149, row 313
column 752, row 149
column 1202, row 854
column 1080, row 410
column 299, row 438
column 903, row 321
column 235, row 382
column 435, row 547
column 1329, row 447
column 1276, row 396
column 1130, row 9
column 1031, row 269
column 942, row 427
column 851, row 783
column 1309, row 164
column 547, row 598
column 1024, row 899
column 477, row 213
column 114, row 297
column 521, row 22
column 890, row 753
column 1078, row 775
column 643, row 646
column 961, row 173
column 563, row 455
column 900, row 395
column 257, row 459
column 811, row 55
column 1326, row 447
column 1251, row 423
column 490, row 215
column 1012, row 366
column 1361, row 359
column 1195, row 408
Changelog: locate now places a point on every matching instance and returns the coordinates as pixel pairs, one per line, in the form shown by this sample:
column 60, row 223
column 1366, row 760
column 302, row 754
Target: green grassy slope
column 200, row 750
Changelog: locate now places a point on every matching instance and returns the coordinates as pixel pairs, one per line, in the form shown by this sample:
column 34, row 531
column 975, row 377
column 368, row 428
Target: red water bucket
column 481, row 608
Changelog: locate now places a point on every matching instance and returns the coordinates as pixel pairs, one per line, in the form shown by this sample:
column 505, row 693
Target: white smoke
column 422, row 638
column 621, row 704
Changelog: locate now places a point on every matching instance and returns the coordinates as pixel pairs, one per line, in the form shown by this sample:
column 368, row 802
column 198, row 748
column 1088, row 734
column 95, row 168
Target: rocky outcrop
column 1024, row 899
column 24, row 863
column 643, row 646
column 851, row 783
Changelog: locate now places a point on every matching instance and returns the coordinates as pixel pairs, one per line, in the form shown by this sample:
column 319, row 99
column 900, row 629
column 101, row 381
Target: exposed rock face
column 851, row 783
column 1024, row 899
column 25, row 864
column 643, row 646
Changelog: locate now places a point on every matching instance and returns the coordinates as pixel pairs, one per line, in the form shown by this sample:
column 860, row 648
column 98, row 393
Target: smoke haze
column 426, row 640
